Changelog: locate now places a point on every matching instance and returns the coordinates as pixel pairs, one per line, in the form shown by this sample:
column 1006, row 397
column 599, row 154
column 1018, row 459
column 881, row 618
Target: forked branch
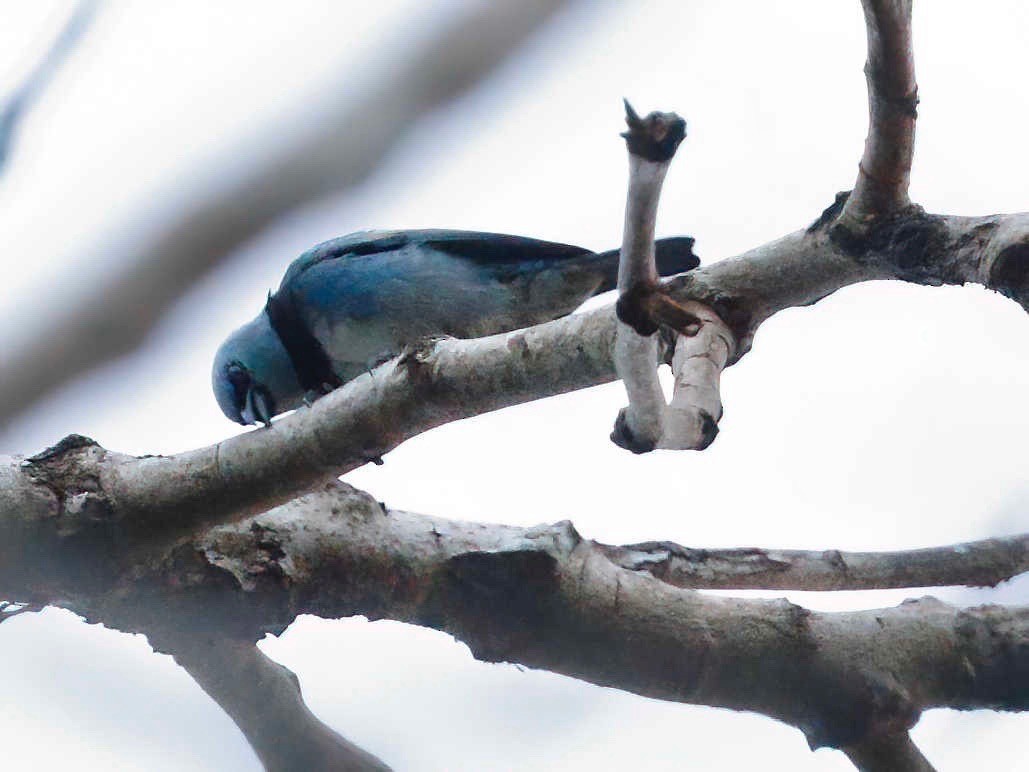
column 702, row 343
column 545, row 597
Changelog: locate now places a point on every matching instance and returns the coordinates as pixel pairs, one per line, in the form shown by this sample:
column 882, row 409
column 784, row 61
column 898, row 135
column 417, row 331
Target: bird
column 353, row 302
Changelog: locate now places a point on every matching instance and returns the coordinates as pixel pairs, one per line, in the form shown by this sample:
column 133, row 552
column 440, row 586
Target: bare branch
column 885, row 168
column 888, row 753
column 17, row 104
column 50, row 504
column 166, row 497
column 702, row 342
column 547, row 598
column 691, row 421
column 529, row 595
column 983, row 563
column 115, row 318
column 652, row 143
column 264, row 700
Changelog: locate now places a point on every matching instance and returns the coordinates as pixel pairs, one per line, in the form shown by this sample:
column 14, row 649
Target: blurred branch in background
column 355, row 136
column 17, row 104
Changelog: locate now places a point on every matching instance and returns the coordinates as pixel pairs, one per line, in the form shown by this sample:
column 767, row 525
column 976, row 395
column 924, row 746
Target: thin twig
column 652, row 143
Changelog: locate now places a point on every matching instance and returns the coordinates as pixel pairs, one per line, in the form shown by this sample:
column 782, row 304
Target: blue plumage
column 357, row 300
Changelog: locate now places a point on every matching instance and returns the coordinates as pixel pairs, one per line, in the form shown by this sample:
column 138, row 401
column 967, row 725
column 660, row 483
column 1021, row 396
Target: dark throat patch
column 310, row 361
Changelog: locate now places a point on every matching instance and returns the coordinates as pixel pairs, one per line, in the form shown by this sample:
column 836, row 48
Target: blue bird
column 355, row 301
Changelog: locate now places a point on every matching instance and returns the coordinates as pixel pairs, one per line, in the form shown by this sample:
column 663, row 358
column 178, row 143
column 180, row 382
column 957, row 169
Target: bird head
column 253, row 377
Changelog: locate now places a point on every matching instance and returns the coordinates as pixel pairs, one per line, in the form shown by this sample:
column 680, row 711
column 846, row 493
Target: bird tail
column 672, row 255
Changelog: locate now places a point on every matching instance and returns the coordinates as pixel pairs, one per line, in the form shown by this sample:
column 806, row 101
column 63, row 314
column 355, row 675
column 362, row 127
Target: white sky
column 886, row 416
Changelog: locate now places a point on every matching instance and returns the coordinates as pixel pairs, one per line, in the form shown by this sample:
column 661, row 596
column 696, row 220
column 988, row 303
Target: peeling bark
column 983, row 563
column 547, row 598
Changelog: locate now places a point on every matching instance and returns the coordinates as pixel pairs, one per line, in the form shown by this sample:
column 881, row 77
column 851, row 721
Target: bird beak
column 256, row 409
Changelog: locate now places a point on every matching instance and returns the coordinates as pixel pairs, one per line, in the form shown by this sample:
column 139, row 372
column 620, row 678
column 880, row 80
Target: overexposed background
column 887, row 416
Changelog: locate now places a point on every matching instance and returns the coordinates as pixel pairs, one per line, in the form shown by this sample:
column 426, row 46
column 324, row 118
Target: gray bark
column 547, row 598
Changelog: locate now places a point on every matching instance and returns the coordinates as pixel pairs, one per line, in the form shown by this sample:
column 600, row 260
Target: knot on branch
column 646, row 307
column 624, row 437
column 255, row 557
column 654, row 138
column 849, row 714
column 417, row 359
column 909, row 242
column 1009, row 274
column 71, row 471
column 64, row 446
column 630, row 310
column 996, row 651
column 905, row 105
column 499, row 603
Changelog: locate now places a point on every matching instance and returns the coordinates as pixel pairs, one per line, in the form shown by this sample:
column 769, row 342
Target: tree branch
column 701, row 342
column 116, row 317
column 534, row 596
column 889, row 753
column 984, row 563
column 547, row 598
column 164, row 498
column 885, row 168
column 651, row 143
column 264, row 700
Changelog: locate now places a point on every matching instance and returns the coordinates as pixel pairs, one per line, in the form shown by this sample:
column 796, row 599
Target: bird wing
column 495, row 249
